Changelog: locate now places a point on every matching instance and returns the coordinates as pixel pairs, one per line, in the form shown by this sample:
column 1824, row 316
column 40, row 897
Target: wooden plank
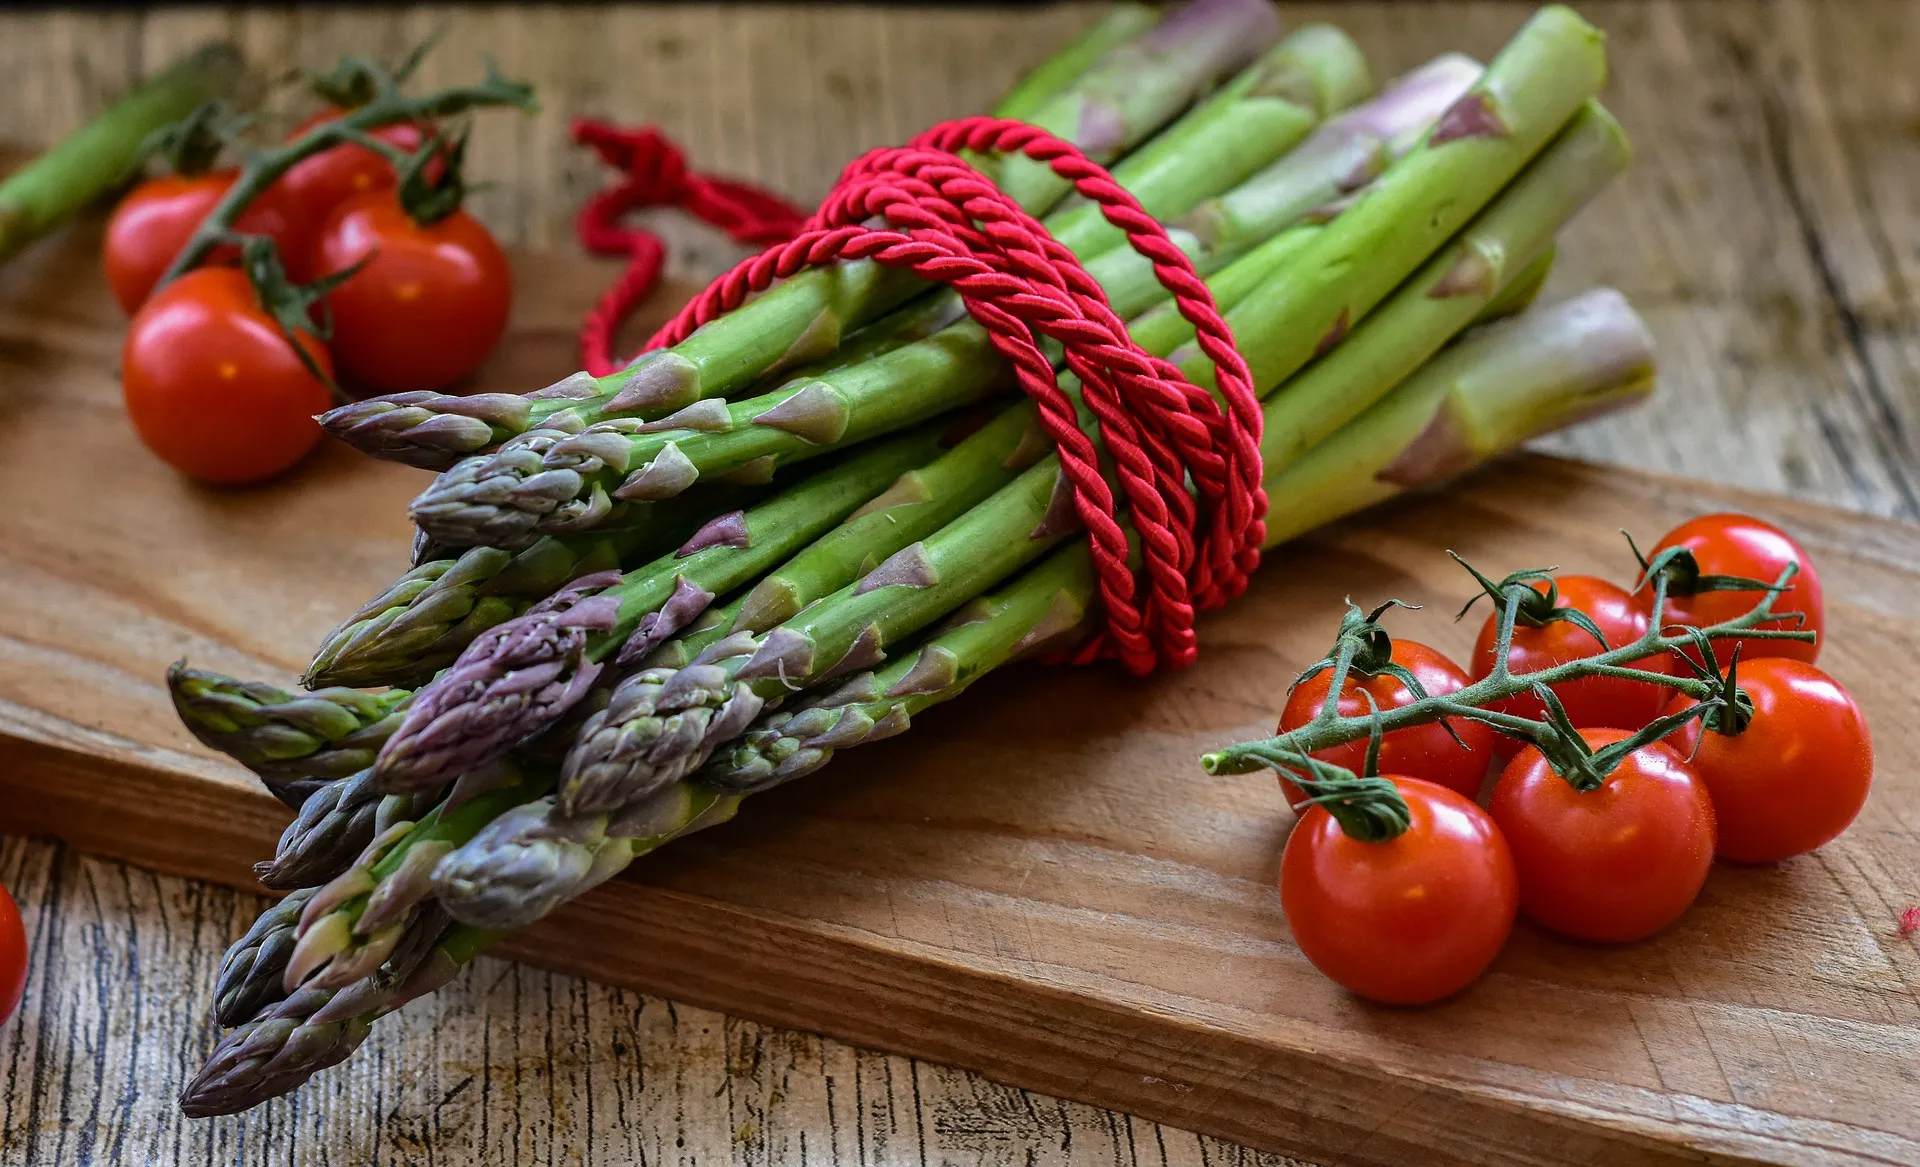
column 1062, row 902
column 1749, row 268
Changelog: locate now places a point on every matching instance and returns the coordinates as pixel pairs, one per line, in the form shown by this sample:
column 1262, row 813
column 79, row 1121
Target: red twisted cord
column 948, row 224
column 655, row 174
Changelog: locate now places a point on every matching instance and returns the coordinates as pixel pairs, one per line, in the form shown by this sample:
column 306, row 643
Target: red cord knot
column 654, row 174
column 1188, row 465
column 1910, row 921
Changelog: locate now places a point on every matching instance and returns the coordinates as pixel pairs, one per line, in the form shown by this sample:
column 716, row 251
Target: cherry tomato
column 429, row 306
column 324, row 181
column 156, row 219
column 1612, row 864
column 1423, row 751
column 213, row 386
column 1409, row 920
column 13, row 957
column 1740, row 545
column 1796, row 776
column 1590, row 701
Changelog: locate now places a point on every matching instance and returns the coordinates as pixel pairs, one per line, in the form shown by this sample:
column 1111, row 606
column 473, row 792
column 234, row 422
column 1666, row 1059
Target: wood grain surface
column 1767, row 231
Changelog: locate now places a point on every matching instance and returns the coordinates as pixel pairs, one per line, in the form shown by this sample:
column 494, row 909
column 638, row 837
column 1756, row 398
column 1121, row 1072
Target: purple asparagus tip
column 512, row 682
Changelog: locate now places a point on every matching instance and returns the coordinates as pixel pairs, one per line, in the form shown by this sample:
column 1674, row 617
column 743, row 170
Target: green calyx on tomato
column 1796, row 775
column 1534, row 598
column 432, row 186
column 1568, row 751
column 295, row 308
column 1612, row 864
column 1382, row 674
column 354, row 81
column 194, row 143
column 1708, row 565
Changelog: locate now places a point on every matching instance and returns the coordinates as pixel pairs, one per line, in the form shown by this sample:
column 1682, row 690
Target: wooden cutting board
column 1038, row 881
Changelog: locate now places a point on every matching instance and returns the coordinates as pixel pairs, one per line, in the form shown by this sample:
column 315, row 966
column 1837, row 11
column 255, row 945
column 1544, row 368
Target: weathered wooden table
column 1768, row 231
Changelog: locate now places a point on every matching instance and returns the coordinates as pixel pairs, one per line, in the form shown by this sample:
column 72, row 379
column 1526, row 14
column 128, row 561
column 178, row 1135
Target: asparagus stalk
column 1528, row 93
column 803, row 319
column 519, row 677
column 423, row 620
column 1340, row 159
column 1255, row 121
column 295, row 742
column 351, row 925
column 103, row 153
column 1131, row 91
column 1498, row 387
column 333, row 827
column 1118, row 25
column 1454, row 287
column 252, row 970
column 1486, row 394
column 1480, row 398
column 315, row 1028
column 1043, row 605
column 528, row 862
column 512, row 497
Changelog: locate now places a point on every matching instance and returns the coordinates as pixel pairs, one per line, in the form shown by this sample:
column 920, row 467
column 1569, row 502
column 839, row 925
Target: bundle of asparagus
column 643, row 597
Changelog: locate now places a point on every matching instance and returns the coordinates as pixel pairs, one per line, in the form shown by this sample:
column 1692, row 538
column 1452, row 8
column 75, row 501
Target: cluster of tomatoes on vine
column 1774, row 761
column 358, row 258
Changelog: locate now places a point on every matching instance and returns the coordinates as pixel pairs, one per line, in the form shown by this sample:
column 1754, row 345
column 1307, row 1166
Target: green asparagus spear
column 1118, row 25
column 1453, row 288
column 333, row 827
column 1498, row 387
column 1039, row 607
column 295, row 742
column 351, row 925
column 1527, row 95
column 252, row 970
column 425, row 618
column 102, row 154
column 1131, row 91
column 803, row 319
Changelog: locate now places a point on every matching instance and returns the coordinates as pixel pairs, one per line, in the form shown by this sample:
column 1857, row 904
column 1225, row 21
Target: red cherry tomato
column 1409, row 920
column 429, row 306
column 13, row 957
column 324, row 181
column 1612, row 864
column 156, row 219
column 1590, row 701
column 1424, row 751
column 1741, row 545
column 213, row 386
column 1796, row 776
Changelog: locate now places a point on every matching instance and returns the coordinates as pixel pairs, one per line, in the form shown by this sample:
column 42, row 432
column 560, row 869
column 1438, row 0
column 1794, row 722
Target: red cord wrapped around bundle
column 1188, row 468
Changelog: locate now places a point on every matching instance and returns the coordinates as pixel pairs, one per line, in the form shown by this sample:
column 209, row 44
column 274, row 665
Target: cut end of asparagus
column 1552, row 368
column 1318, row 68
